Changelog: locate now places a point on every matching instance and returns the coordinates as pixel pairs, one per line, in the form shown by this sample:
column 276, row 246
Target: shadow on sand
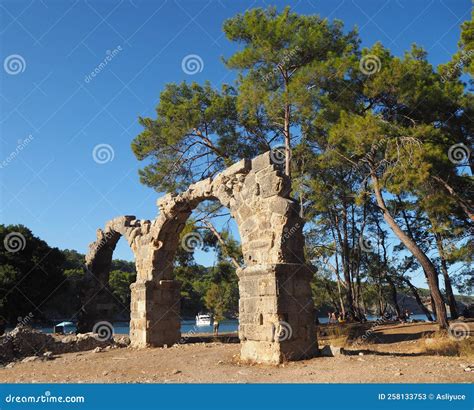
column 231, row 337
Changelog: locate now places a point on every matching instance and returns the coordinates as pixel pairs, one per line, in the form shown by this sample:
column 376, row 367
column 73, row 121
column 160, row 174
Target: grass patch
column 440, row 344
column 342, row 335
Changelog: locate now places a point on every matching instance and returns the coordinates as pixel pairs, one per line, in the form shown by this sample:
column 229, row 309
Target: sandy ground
column 394, row 358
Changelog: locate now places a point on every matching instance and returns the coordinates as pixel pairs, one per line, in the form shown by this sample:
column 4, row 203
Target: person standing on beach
column 216, row 327
column 406, row 315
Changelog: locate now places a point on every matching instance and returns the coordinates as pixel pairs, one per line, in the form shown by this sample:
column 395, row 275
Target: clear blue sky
column 54, row 186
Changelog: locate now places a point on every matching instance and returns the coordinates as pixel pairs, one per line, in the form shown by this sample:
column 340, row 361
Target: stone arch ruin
column 276, row 313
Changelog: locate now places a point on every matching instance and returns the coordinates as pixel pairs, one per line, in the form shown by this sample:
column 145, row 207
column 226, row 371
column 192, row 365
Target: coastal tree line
column 45, row 282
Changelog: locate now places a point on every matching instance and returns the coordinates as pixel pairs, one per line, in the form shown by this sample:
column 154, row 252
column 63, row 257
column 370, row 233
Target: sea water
column 189, row 326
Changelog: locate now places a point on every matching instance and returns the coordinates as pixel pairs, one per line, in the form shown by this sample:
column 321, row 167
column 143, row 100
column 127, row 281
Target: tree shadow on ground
column 369, row 352
column 207, row 338
column 388, row 338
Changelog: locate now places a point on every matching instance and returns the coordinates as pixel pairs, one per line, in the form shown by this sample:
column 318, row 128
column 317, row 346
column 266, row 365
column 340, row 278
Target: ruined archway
column 276, row 319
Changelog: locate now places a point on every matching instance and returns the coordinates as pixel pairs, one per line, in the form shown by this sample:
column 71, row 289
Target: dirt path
column 392, row 361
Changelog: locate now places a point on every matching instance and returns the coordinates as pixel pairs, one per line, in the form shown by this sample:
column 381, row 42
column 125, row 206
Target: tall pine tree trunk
column 338, row 277
column 417, row 297
column 453, row 309
column 417, row 252
column 394, row 295
column 345, row 263
column 287, row 142
column 286, row 128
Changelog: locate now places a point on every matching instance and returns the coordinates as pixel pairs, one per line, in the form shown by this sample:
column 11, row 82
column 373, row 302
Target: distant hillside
column 407, row 301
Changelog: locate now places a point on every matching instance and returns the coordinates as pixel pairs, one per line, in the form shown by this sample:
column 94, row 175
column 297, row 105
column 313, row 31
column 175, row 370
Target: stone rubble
column 26, row 344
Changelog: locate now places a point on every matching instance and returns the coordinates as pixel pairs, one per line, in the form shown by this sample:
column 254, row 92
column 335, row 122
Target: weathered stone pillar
column 155, row 308
column 276, row 315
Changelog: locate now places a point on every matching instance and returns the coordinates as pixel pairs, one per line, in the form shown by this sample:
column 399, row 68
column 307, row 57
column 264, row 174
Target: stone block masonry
column 276, row 313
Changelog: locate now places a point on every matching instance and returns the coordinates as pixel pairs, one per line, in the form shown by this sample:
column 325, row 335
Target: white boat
column 64, row 328
column 203, row 319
